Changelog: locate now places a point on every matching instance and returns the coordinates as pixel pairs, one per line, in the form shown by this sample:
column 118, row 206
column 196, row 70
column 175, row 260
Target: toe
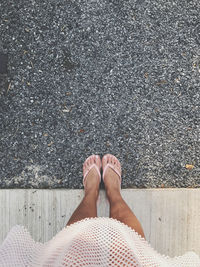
column 98, row 161
column 108, row 159
column 91, row 160
column 94, row 160
column 118, row 163
column 104, row 161
column 111, row 159
column 84, row 165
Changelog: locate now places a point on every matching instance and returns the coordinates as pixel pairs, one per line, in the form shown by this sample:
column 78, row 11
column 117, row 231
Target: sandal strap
column 91, row 166
column 114, row 169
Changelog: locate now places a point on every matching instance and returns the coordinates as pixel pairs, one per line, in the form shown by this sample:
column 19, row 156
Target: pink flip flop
column 117, row 169
column 91, row 166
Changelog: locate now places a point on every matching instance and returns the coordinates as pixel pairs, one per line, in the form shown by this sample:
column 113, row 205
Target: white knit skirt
column 89, row 242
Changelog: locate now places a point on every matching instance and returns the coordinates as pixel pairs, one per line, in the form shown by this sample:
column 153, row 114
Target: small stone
column 68, row 93
column 50, row 144
column 189, row 166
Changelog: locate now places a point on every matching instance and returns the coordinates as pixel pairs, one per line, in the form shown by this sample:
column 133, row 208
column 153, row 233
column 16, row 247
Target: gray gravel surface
column 96, row 77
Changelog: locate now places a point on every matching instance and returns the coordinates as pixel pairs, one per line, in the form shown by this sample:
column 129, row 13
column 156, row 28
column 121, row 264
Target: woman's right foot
column 111, row 179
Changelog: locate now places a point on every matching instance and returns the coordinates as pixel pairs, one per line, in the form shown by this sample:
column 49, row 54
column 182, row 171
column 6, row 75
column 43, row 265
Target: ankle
column 91, row 194
column 113, row 194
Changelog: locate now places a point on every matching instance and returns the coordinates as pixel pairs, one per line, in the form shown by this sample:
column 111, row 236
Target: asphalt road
column 94, row 77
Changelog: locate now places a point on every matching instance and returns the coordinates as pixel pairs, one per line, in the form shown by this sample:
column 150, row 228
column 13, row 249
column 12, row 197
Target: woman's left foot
column 93, row 177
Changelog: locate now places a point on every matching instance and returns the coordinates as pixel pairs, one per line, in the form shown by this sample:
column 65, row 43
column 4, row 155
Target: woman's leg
column 118, row 208
column 87, row 208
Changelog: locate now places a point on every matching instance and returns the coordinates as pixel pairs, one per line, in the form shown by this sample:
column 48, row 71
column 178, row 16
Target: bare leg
column 118, row 208
column 87, row 208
